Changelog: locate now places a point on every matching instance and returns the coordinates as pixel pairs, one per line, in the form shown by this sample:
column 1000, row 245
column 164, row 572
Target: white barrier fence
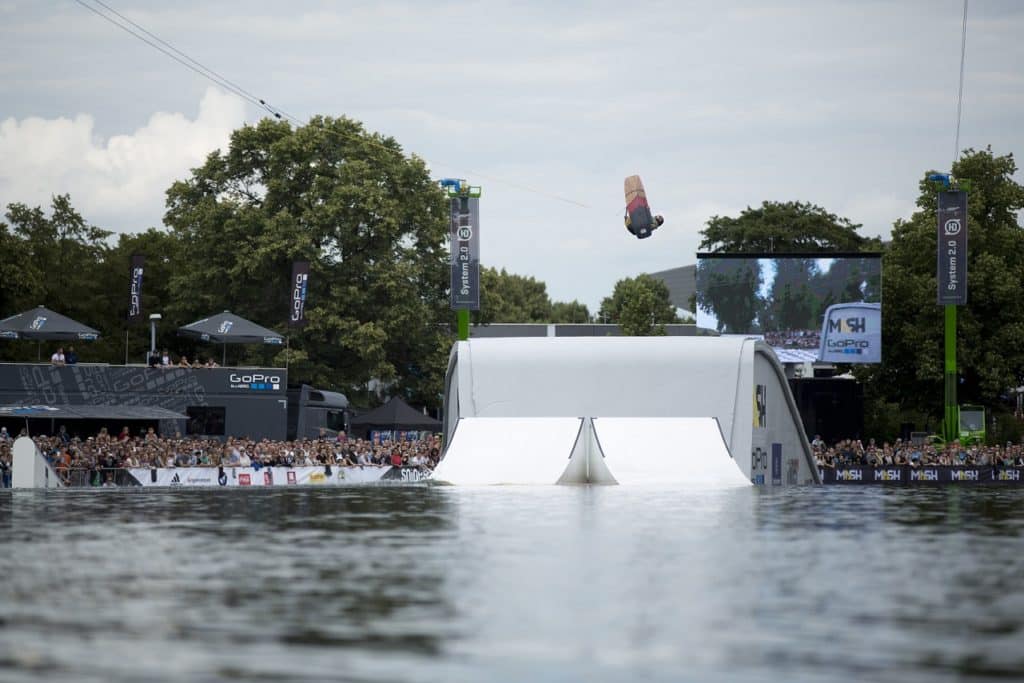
column 273, row 476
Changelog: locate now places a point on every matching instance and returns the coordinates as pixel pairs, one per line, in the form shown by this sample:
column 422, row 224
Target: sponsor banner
column 465, row 257
column 761, row 406
column 272, row 476
column 138, row 267
column 851, row 333
column 256, row 381
column 776, row 464
column 297, row 297
column 921, row 475
column 952, row 248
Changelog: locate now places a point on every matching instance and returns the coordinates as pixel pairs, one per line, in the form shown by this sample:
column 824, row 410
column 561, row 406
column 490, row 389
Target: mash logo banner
column 135, row 289
column 465, row 257
column 851, row 333
column 297, row 298
column 952, row 253
column 901, row 474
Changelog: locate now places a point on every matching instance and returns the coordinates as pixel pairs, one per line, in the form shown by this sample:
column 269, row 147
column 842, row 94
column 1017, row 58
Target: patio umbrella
column 40, row 323
column 227, row 328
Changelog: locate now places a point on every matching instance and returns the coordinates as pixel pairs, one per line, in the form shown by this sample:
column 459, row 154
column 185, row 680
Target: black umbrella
column 41, row 323
column 227, row 328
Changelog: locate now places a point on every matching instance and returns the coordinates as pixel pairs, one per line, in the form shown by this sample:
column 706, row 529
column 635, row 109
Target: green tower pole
column 463, row 319
column 951, row 421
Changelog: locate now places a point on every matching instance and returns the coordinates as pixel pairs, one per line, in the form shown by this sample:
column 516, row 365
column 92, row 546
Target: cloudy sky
column 717, row 105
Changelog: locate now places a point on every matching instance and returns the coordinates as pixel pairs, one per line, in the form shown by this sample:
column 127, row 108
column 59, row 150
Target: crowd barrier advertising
column 921, row 475
column 273, row 476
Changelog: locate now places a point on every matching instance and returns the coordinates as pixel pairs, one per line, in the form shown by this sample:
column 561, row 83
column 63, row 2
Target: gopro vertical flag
column 952, row 252
column 297, row 298
column 465, row 245
column 135, row 289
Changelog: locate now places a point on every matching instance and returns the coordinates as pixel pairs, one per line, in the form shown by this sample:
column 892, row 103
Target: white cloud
column 122, row 178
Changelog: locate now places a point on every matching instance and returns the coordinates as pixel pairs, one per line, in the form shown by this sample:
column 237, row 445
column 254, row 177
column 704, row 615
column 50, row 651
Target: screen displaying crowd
column 105, row 452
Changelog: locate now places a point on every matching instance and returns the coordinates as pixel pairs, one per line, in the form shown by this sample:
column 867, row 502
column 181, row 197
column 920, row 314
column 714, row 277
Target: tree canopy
column 509, row 298
column 783, row 227
column 371, row 222
column 990, row 327
column 640, row 306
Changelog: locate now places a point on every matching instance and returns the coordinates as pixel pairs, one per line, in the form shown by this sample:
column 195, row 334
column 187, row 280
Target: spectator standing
column 58, row 357
column 71, row 358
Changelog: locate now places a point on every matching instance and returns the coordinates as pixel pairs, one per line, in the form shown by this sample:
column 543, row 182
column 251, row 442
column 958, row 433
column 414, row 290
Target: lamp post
column 153, row 317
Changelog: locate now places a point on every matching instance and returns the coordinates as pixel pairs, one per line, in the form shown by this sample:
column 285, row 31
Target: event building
column 205, row 402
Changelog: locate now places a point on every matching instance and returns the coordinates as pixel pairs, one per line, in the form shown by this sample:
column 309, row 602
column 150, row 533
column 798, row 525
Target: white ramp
column 509, row 450
column 684, row 451
column 29, row 469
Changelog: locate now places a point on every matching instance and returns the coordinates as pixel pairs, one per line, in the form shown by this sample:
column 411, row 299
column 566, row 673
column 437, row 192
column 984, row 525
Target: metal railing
column 75, row 477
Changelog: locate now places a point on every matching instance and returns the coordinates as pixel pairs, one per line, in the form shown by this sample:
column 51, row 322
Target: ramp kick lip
column 504, row 450
column 667, row 451
column 679, row 452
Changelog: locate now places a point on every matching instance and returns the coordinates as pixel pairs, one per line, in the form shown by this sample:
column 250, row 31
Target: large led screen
column 827, row 303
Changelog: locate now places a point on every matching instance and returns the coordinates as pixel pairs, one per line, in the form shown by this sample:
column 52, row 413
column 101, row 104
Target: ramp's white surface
column 29, row 469
column 678, row 451
column 509, row 450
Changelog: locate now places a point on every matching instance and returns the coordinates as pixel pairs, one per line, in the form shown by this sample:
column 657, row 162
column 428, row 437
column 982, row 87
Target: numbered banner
column 465, row 257
column 952, row 242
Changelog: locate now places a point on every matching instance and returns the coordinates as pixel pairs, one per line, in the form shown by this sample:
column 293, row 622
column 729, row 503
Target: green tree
column 56, row 265
column 569, row 312
column 640, row 306
column 783, row 227
column 21, row 283
column 160, row 249
column 791, row 301
column 728, row 289
column 509, row 298
column 371, row 222
column 990, row 327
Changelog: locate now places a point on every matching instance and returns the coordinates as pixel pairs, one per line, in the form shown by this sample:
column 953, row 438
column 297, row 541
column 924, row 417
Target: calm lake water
column 431, row 583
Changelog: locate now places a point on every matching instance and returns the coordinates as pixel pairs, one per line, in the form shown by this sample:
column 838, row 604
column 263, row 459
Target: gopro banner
column 851, row 333
column 465, row 245
column 297, row 298
column 135, row 290
column 952, row 268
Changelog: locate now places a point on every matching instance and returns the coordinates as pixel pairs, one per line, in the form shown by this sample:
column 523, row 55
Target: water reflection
column 512, row 583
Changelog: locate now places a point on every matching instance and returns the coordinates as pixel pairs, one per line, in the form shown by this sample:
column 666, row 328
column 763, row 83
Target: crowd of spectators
column 158, row 359
column 166, row 360
column 5, row 458
column 854, row 453
column 105, row 453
